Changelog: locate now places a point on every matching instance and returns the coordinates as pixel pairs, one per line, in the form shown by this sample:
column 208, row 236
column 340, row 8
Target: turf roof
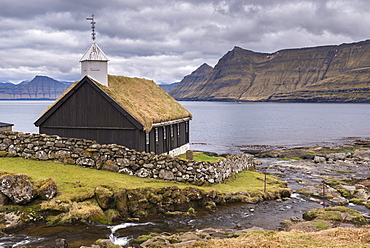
column 144, row 100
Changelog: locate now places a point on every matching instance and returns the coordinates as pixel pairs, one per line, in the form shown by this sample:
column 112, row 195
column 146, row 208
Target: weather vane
column 92, row 26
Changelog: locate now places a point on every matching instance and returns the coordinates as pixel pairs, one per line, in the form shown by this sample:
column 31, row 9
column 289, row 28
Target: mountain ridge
column 39, row 88
column 332, row 73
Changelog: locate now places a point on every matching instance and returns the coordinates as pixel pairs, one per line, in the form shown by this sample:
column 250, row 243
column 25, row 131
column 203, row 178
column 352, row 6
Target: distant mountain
column 168, row 87
column 41, row 87
column 186, row 86
column 6, row 84
column 338, row 73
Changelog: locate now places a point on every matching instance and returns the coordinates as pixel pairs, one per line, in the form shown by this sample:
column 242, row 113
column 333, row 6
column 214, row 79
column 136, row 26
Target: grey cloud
column 164, row 40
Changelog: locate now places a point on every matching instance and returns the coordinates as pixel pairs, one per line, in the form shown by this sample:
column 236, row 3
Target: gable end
column 71, row 91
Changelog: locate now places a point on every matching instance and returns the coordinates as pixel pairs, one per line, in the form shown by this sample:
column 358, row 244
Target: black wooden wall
column 86, row 112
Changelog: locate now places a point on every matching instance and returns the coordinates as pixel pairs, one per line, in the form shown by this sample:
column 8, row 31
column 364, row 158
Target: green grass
column 200, row 156
column 75, row 182
column 321, row 225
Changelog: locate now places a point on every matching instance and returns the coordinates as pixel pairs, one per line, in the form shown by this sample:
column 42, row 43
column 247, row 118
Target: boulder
column 319, row 160
column 48, row 189
column 18, row 188
column 4, row 200
column 362, row 154
column 104, row 197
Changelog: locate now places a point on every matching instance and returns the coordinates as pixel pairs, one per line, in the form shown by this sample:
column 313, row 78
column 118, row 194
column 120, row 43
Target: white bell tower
column 94, row 63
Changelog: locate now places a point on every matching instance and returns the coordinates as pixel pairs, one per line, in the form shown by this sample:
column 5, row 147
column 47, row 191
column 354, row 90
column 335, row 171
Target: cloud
column 164, row 40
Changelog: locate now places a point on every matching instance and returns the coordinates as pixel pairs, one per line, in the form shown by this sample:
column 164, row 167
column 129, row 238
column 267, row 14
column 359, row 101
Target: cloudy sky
column 164, row 40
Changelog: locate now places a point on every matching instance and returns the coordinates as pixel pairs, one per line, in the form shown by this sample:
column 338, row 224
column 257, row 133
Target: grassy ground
column 75, row 182
column 200, row 156
column 336, row 237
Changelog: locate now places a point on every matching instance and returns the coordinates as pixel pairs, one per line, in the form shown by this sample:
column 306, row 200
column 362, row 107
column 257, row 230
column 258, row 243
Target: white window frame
column 147, row 138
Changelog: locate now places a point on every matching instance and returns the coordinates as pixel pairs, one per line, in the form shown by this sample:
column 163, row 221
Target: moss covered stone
column 340, row 213
column 104, row 197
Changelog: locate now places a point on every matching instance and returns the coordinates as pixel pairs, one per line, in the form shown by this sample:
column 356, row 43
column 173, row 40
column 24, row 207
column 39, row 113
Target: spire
column 93, row 34
column 94, row 63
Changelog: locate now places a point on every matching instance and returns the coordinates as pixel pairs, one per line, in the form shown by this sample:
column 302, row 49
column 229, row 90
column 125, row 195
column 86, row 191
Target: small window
column 164, row 132
column 178, row 129
column 171, row 128
column 156, row 134
column 147, row 138
column 187, row 126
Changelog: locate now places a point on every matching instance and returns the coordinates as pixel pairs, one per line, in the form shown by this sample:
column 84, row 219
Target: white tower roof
column 94, row 53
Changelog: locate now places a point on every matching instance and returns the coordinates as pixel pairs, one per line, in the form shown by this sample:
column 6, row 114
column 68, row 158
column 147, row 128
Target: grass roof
column 144, row 100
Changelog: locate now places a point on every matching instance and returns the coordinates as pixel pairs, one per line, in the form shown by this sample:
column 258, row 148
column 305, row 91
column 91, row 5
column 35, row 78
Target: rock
column 104, row 197
column 189, row 155
column 41, row 155
column 336, row 156
column 61, row 243
column 126, row 171
column 4, row 200
column 294, row 219
column 103, row 243
column 18, row 188
column 319, row 160
column 362, row 194
column 110, row 166
column 85, row 162
column 143, row 173
column 362, row 154
column 62, row 154
column 48, row 189
column 11, row 221
column 167, row 175
column 258, row 162
column 120, row 199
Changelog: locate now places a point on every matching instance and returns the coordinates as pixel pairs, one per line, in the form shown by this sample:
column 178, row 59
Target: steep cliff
column 318, row 74
column 197, row 77
column 41, row 87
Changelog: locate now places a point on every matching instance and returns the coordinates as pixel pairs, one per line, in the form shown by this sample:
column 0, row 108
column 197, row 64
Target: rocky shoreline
column 345, row 176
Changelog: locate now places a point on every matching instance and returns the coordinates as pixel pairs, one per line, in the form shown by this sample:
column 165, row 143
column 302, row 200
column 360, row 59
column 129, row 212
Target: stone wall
column 119, row 159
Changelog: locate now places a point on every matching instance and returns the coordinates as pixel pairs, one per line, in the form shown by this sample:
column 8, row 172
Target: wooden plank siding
column 87, row 112
column 163, row 140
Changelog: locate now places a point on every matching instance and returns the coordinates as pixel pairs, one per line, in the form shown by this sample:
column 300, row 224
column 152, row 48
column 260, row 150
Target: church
column 132, row 112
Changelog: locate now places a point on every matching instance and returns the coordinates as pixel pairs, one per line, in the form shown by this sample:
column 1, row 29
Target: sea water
column 228, row 127
column 222, row 127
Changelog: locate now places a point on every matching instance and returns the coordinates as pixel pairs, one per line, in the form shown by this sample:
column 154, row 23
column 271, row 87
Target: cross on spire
column 92, row 26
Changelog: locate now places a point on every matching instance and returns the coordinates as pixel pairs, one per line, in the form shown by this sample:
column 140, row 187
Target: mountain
column 41, row 87
column 6, row 84
column 168, row 87
column 338, row 73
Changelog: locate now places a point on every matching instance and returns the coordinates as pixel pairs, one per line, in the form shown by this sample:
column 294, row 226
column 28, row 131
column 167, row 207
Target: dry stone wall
column 119, row 159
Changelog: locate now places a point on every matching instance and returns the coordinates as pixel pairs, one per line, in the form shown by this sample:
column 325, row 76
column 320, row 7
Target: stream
column 267, row 215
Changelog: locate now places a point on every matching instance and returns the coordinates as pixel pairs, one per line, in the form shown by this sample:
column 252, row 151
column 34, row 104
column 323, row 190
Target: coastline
column 285, row 165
